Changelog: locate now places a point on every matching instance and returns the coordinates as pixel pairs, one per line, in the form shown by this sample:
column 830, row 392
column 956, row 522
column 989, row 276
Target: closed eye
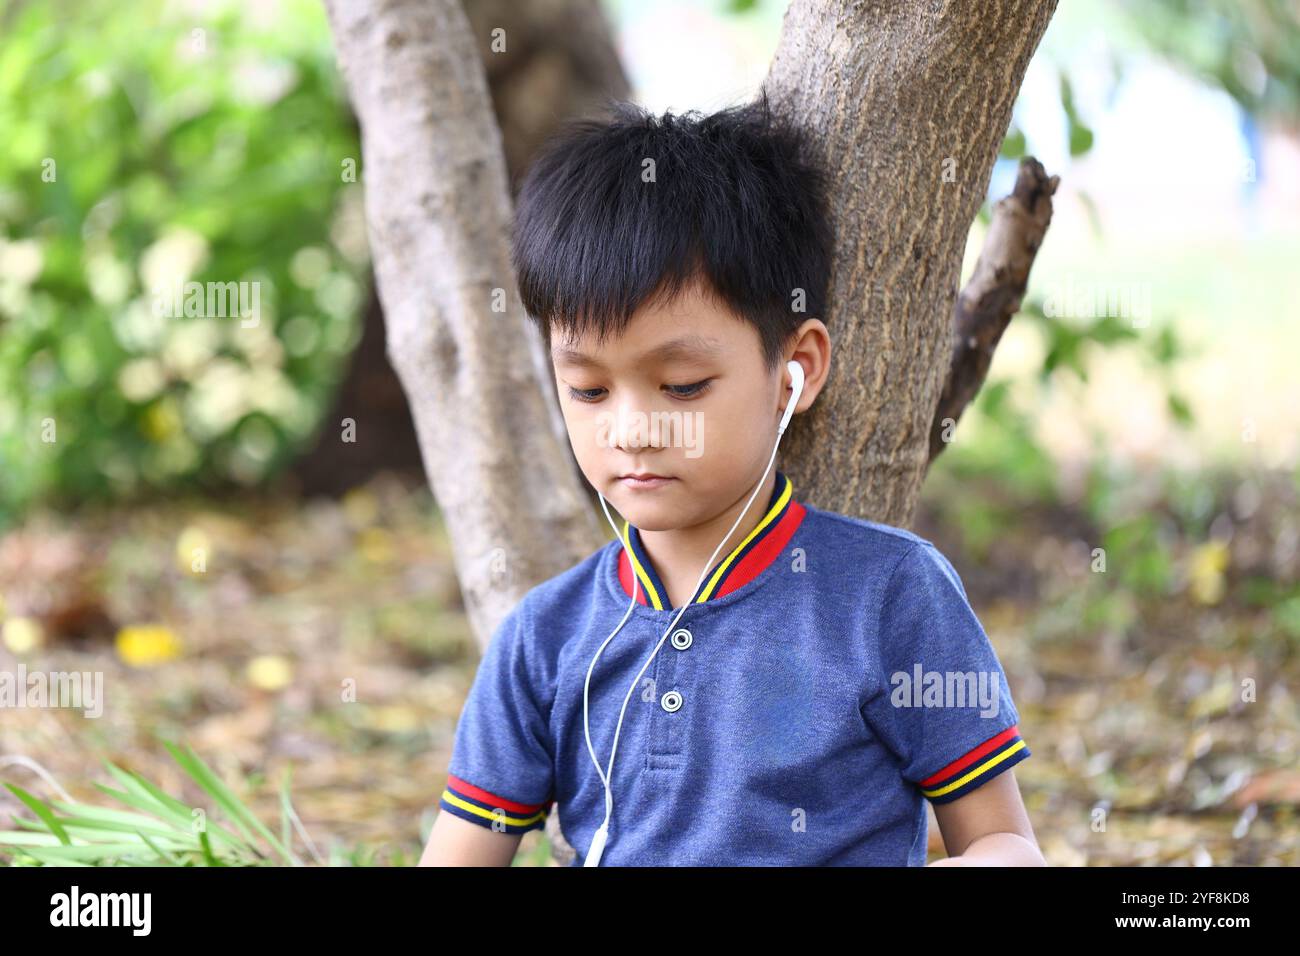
column 689, row 391
column 692, row 390
column 584, row 394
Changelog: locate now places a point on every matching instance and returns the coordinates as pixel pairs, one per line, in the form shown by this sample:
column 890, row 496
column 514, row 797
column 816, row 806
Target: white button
column 681, row 638
column 671, row 701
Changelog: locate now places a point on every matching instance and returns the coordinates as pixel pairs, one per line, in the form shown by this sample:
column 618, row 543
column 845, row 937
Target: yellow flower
column 392, row 719
column 161, row 420
column 1209, row 561
column 269, row 672
column 193, row 549
column 22, row 634
column 144, row 645
column 375, row 544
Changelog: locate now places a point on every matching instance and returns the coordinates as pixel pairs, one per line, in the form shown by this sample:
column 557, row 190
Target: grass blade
column 39, row 807
column 240, row 815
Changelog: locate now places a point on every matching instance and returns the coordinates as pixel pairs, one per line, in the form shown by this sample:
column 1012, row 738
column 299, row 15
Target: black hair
column 736, row 201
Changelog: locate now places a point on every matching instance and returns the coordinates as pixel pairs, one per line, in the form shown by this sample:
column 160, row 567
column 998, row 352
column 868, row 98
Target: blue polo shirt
column 827, row 679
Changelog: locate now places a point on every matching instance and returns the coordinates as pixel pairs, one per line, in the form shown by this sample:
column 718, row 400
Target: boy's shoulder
column 885, row 543
column 863, row 529
column 891, row 556
column 563, row 590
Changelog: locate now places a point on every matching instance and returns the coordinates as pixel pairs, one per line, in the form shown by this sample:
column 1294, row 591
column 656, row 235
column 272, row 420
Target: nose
column 634, row 428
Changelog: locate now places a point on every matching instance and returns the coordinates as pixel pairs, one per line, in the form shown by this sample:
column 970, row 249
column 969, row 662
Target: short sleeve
column 501, row 771
column 941, row 704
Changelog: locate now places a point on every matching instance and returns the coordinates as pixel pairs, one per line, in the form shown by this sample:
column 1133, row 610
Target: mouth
column 645, row 480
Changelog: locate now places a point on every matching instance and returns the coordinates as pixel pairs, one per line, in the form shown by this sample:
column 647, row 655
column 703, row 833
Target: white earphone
column 796, row 389
column 601, row 838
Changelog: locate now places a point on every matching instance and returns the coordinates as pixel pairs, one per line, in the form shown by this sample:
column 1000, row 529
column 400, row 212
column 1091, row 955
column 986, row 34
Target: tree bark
column 438, row 214
column 908, row 102
column 993, row 294
column 560, row 61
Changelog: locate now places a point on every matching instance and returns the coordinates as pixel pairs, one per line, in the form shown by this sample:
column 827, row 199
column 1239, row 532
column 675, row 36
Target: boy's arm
column 500, row 778
column 988, row 827
column 457, row 842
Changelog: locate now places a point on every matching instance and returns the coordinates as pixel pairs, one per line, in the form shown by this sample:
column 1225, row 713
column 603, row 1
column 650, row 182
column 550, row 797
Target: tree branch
column 992, row 296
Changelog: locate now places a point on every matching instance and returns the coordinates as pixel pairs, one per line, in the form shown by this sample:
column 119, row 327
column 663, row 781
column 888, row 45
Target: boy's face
column 682, row 394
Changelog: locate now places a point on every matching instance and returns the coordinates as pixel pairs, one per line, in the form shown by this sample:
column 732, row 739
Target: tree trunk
column 438, row 215
column 560, row 61
column 908, row 101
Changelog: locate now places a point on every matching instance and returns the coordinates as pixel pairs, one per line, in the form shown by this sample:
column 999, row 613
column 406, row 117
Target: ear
column 811, row 348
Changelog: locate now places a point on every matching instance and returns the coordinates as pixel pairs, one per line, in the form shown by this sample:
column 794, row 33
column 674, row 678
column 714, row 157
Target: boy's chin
column 657, row 510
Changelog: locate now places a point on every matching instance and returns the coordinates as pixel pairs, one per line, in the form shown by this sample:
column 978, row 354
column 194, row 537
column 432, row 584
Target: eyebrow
column 684, row 347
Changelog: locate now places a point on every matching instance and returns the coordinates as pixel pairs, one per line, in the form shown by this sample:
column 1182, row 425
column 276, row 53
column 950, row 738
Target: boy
column 827, row 675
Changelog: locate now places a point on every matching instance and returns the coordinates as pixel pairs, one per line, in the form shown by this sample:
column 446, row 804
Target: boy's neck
column 679, row 555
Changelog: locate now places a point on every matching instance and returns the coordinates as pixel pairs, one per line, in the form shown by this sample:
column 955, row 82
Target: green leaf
column 1013, row 146
column 239, row 814
column 108, row 815
column 1081, row 138
column 1181, row 411
column 28, row 838
column 1067, row 94
column 41, row 809
column 90, row 853
column 147, row 796
column 1110, row 329
column 286, row 808
column 1167, row 348
column 94, row 828
column 51, row 857
column 207, row 849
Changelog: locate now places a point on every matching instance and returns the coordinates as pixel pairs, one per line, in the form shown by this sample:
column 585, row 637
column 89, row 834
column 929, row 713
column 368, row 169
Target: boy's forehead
column 667, row 348
column 688, row 327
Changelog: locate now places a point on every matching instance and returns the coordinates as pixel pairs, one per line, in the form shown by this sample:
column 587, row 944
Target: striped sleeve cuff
column 977, row 767
column 464, row 800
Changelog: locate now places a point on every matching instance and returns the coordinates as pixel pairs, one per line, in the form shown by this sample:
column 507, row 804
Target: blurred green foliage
column 1080, row 134
column 148, row 144
column 1249, row 48
column 1006, row 446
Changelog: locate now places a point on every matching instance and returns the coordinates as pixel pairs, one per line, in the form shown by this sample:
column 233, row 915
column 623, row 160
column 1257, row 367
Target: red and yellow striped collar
column 746, row 561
